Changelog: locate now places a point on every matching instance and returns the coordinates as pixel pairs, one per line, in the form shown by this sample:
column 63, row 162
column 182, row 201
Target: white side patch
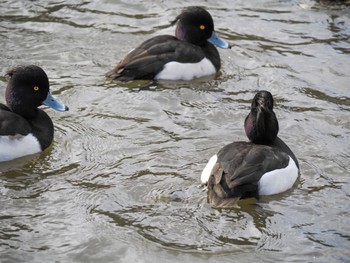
column 208, row 169
column 186, row 71
column 279, row 180
column 12, row 147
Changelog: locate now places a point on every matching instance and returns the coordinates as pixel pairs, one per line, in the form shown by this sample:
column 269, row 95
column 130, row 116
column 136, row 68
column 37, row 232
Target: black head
column 27, row 88
column 194, row 25
column 261, row 124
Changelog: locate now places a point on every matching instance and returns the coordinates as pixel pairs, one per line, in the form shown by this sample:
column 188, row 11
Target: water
column 121, row 181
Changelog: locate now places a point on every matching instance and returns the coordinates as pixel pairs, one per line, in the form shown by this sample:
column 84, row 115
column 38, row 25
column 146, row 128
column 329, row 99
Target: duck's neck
column 261, row 126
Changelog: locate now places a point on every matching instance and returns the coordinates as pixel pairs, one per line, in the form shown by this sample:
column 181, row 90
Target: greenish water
column 121, row 181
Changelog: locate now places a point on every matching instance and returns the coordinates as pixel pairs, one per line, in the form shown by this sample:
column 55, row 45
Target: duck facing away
column 188, row 55
column 263, row 166
column 25, row 129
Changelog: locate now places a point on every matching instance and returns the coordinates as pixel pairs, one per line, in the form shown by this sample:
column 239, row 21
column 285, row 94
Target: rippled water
column 121, row 181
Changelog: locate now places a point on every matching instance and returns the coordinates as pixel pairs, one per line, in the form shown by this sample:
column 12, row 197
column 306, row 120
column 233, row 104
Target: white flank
column 279, row 180
column 186, row 71
column 208, row 169
column 12, row 147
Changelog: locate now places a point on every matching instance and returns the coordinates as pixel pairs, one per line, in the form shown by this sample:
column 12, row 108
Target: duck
column 24, row 128
column 263, row 165
column 188, row 55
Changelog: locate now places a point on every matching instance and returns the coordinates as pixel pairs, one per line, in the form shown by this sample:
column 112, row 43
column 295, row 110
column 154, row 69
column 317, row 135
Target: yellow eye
column 36, row 88
column 202, row 27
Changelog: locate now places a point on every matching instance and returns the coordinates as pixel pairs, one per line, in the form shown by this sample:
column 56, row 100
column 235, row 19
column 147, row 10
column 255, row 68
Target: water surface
column 121, row 182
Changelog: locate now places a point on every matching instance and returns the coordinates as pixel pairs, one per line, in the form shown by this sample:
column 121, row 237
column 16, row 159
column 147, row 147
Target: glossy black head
column 261, row 124
column 194, row 25
column 27, row 88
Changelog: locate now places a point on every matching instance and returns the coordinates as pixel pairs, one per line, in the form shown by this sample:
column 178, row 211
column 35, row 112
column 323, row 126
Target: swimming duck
column 25, row 129
column 263, row 166
column 188, row 55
